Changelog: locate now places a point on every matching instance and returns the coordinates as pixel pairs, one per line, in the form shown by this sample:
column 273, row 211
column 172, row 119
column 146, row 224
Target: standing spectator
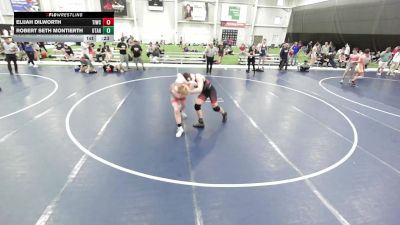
column 309, row 47
column 92, row 52
column 347, row 50
column 332, row 48
column 384, row 59
column 251, row 58
column 123, row 56
column 137, row 54
column 108, row 53
column 230, row 41
column 68, row 52
column 42, row 45
column 313, row 55
column 180, row 42
column 395, row 63
column 11, row 49
column 284, row 56
column 263, row 50
column 294, row 51
column 30, row 52
column 220, row 52
column 210, row 53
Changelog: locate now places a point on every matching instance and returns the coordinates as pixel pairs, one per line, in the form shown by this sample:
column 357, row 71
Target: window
column 279, row 2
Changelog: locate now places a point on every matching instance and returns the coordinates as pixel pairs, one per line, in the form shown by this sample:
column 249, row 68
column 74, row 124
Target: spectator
column 228, row 50
column 295, row 50
column 209, row 53
column 284, row 56
column 86, row 65
column 347, row 50
column 242, row 49
column 313, row 55
column 68, row 52
column 220, row 52
column 305, row 67
column 395, row 63
column 263, row 50
column 11, row 49
column 331, row 59
column 124, row 58
column 384, row 59
column 332, row 48
column 150, row 50
column 137, row 54
column 325, row 49
column 108, row 53
column 309, row 47
column 342, row 60
column 251, row 58
column 230, row 41
column 156, row 55
column 186, row 49
column 100, row 53
column 30, row 52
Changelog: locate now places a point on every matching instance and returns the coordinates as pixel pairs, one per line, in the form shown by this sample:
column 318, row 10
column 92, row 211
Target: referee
column 10, row 49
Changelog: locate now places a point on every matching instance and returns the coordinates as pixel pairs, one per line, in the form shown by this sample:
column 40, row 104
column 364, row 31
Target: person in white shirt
column 209, row 53
column 11, row 49
column 395, row 64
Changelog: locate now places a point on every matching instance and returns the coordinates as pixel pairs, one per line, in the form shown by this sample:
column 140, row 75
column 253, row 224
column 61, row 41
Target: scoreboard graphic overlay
column 64, row 26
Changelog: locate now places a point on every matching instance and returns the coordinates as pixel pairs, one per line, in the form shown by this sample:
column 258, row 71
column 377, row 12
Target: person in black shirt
column 251, row 58
column 124, row 58
column 68, row 52
column 137, row 54
column 284, row 56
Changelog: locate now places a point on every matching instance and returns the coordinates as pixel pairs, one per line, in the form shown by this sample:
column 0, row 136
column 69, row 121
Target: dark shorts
column 209, row 93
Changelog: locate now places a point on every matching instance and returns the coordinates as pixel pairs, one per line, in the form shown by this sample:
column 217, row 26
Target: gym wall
column 371, row 24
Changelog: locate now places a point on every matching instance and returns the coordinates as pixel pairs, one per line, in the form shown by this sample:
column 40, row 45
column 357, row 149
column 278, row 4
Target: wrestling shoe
column 198, row 125
column 179, row 132
column 224, row 117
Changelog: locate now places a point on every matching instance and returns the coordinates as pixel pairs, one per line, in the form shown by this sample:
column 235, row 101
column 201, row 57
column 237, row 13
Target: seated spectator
column 86, row 65
column 342, row 60
column 150, row 50
column 228, row 50
column 108, row 68
column 331, row 59
column 242, row 49
column 100, row 53
column 156, row 55
column 186, row 49
column 305, row 67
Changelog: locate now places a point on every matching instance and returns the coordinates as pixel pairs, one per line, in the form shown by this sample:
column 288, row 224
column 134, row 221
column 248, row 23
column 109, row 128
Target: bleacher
column 182, row 58
column 271, row 59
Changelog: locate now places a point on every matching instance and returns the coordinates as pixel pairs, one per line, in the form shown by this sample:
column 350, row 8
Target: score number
column 108, row 21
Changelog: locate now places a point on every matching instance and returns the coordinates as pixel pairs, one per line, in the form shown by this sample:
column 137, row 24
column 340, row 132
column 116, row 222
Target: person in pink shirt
column 351, row 64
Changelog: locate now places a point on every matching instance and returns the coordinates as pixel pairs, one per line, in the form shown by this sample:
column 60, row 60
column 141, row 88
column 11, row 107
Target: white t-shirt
column 396, row 57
